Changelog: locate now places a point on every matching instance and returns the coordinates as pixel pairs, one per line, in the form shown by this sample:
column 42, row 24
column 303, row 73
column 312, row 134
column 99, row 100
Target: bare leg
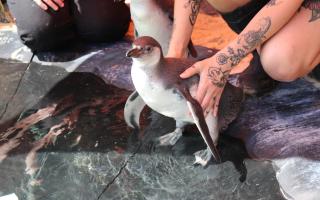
column 292, row 53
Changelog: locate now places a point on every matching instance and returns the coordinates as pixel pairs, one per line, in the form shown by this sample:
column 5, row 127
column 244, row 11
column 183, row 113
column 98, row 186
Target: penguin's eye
column 148, row 48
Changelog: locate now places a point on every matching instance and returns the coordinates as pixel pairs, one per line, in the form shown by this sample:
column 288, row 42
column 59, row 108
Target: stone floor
column 63, row 136
column 93, row 152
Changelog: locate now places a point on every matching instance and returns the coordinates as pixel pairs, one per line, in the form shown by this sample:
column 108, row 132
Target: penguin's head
column 146, row 50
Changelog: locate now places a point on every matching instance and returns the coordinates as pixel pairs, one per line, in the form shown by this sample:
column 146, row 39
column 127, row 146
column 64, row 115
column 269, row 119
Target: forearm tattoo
column 195, row 7
column 271, row 3
column 247, row 42
column 314, row 6
column 252, row 38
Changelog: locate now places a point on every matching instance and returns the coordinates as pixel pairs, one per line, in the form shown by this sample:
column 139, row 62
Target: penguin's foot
column 202, row 157
column 169, row 139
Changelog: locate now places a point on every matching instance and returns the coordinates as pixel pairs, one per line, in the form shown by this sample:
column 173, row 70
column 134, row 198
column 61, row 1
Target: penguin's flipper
column 203, row 128
column 132, row 110
column 198, row 117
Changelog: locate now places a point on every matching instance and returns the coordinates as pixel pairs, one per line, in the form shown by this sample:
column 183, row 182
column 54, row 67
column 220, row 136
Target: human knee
column 39, row 29
column 281, row 64
column 101, row 20
column 43, row 38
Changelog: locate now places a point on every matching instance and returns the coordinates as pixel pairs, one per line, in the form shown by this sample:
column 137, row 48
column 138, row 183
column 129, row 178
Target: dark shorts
column 93, row 20
column 239, row 18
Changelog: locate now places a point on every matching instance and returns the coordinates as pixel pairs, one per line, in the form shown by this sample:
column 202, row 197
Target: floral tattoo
column 222, row 59
column 253, row 38
column 248, row 41
column 314, row 6
column 218, row 77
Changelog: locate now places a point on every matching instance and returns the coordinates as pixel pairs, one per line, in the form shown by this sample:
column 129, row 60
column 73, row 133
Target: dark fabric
column 101, row 20
column 239, row 18
column 42, row 30
column 96, row 20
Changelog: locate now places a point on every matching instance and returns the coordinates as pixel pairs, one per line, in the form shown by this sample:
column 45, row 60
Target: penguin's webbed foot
column 202, row 157
column 169, row 139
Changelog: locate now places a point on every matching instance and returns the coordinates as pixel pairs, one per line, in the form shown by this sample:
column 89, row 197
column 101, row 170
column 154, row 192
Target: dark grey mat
column 94, row 154
column 11, row 47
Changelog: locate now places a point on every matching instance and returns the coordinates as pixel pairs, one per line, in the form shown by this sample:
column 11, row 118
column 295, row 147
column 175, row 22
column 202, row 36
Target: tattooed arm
column 314, row 6
column 185, row 15
column 215, row 70
column 267, row 22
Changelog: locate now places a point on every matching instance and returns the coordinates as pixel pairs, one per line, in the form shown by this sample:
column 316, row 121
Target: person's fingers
column 207, row 99
column 201, row 91
column 41, row 4
column 189, row 72
column 209, row 108
column 59, row 2
column 206, row 113
column 51, row 4
column 216, row 105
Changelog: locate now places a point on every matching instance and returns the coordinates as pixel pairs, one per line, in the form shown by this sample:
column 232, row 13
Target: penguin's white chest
column 165, row 101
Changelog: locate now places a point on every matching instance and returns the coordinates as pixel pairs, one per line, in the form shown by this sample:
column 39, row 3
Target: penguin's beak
column 134, row 53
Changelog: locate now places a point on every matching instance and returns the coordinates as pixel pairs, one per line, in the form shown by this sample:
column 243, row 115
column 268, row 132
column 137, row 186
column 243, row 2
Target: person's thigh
column 98, row 20
column 295, row 50
column 42, row 30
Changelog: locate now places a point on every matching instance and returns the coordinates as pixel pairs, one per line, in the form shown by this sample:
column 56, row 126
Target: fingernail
column 44, row 7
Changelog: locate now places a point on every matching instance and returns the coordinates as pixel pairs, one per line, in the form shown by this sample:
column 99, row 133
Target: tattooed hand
column 214, row 74
column 215, row 70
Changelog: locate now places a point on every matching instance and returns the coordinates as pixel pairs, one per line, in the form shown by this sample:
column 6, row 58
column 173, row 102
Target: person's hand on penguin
column 214, row 73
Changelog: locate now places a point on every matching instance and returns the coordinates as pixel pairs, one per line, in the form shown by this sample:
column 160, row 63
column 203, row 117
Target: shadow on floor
column 78, row 130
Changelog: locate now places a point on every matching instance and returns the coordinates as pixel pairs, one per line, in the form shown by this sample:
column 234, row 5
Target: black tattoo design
column 195, row 7
column 236, row 56
column 249, row 41
column 217, row 76
column 222, row 59
column 314, row 6
column 271, row 3
column 253, row 38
